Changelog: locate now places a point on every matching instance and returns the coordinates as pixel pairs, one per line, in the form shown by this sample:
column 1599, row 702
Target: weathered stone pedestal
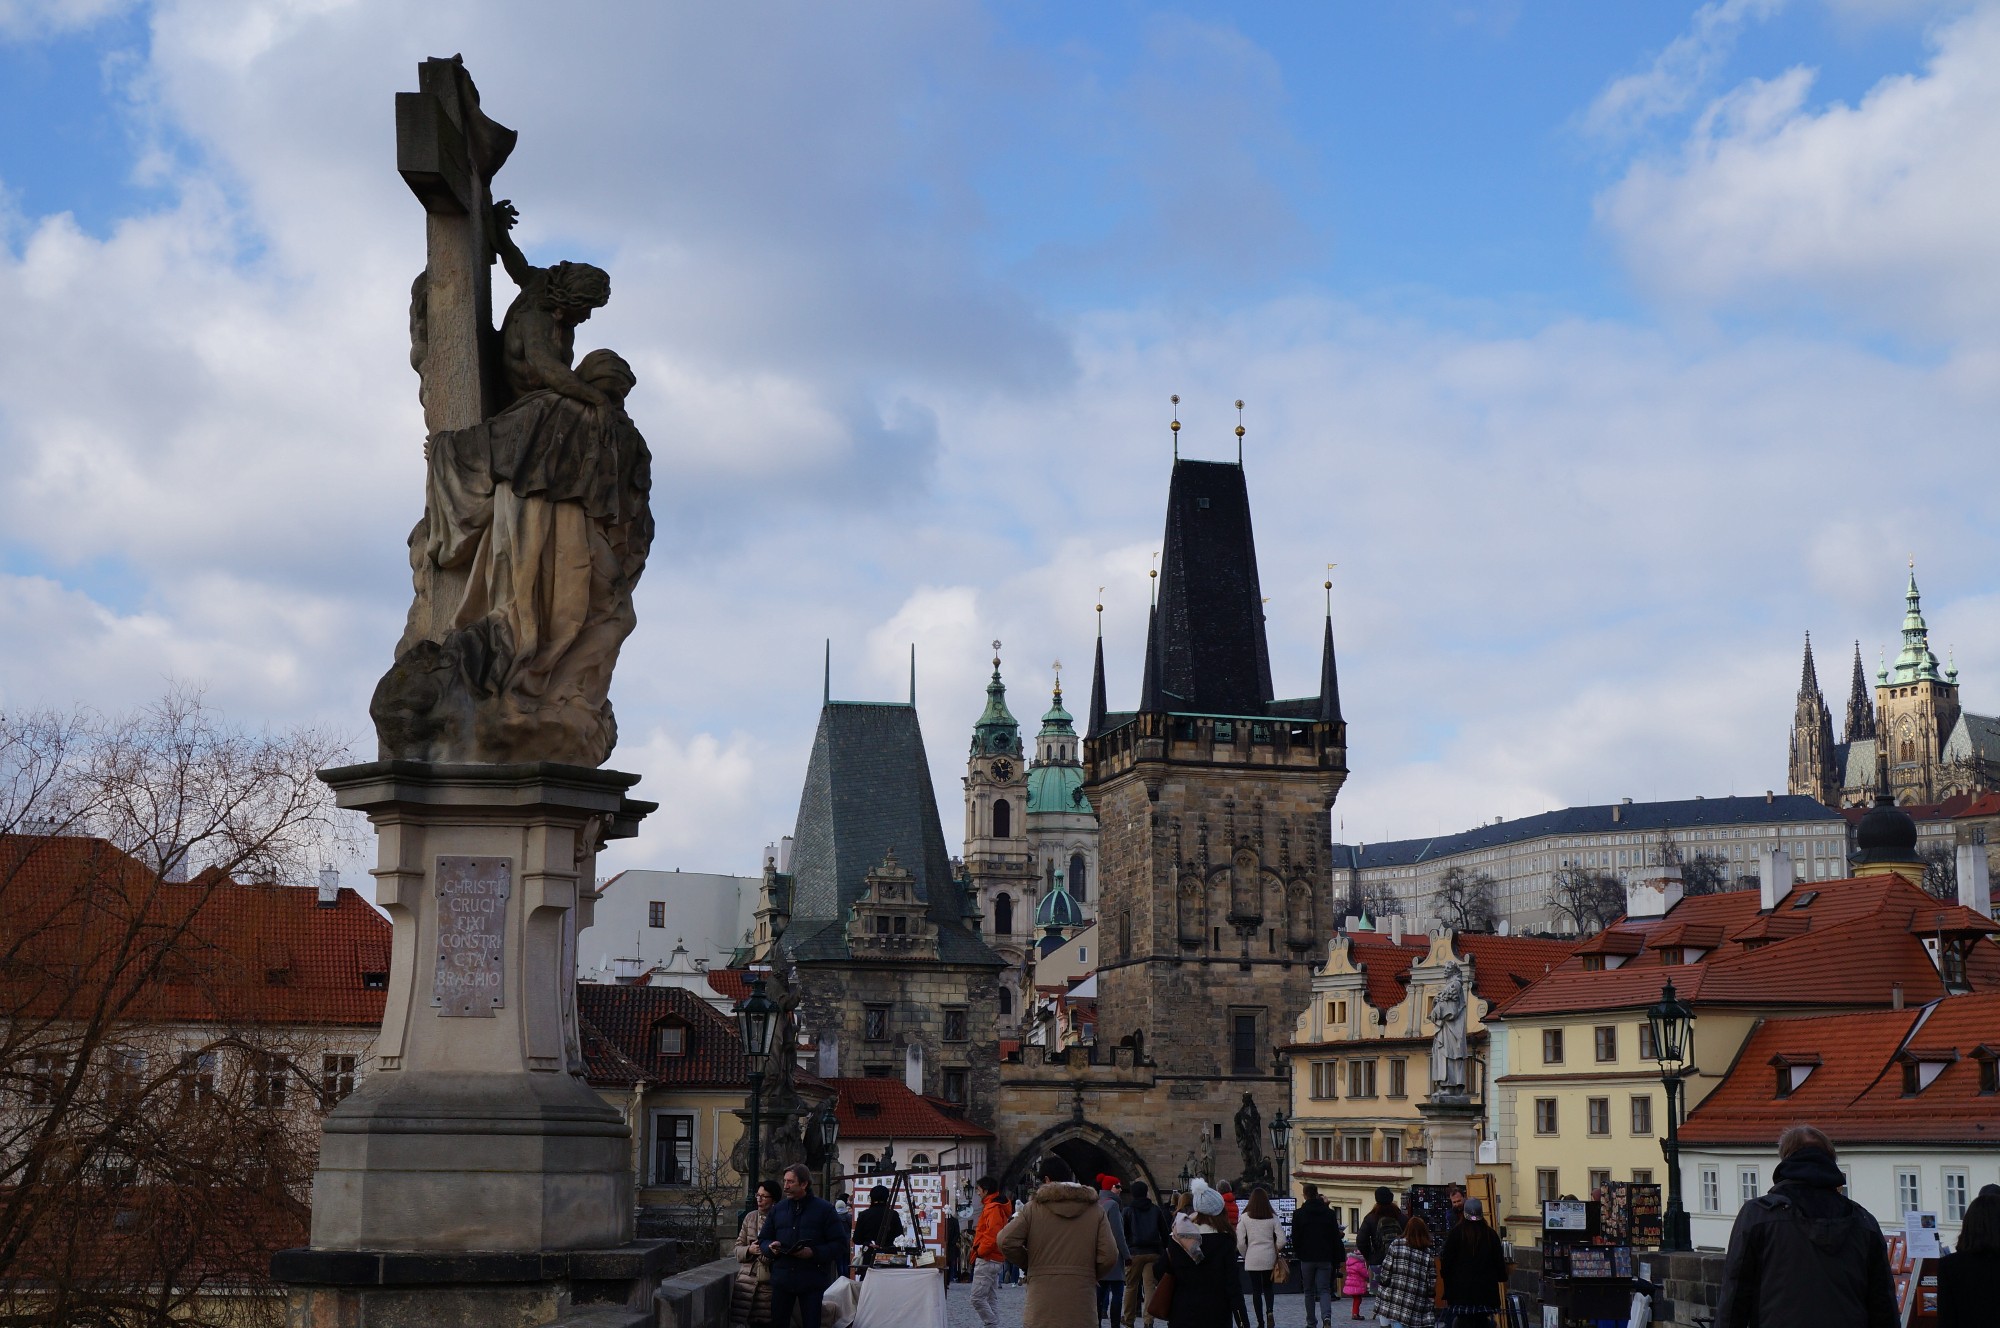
column 1453, row 1126
column 474, row 1177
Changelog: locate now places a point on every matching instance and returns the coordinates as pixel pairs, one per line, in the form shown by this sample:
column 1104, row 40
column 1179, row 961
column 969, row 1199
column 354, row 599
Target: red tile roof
column 1502, row 965
column 621, row 1048
column 887, row 1109
column 733, row 983
column 1856, row 1095
column 1864, row 938
column 1386, row 963
column 267, row 954
column 1986, row 804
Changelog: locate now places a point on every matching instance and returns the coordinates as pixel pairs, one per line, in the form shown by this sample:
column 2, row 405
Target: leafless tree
column 1940, row 870
column 1702, row 872
column 1373, row 899
column 145, row 1157
column 1588, row 900
column 1463, row 900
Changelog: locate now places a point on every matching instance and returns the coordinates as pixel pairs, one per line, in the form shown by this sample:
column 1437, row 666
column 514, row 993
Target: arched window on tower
column 1078, row 882
column 1003, row 819
column 1006, row 999
column 1003, row 915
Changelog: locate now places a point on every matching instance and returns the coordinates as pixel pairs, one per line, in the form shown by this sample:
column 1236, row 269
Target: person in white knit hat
column 1203, row 1263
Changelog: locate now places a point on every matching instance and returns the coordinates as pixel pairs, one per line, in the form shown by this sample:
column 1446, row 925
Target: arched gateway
column 1089, row 1149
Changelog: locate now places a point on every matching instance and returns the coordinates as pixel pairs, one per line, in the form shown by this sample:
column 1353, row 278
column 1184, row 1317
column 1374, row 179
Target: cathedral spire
column 1329, row 679
column 1808, row 675
column 1860, row 704
column 1209, row 652
column 1915, row 663
column 1094, row 727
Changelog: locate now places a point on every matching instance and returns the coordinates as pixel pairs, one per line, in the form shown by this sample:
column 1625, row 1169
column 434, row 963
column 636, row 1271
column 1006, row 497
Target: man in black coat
column 802, row 1235
column 1317, row 1245
column 1805, row 1254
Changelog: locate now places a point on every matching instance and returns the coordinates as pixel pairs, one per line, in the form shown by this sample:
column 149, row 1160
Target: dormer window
column 670, row 1039
column 1921, row 1069
column 1793, row 1071
column 1989, row 1068
column 1673, row 956
column 1593, row 963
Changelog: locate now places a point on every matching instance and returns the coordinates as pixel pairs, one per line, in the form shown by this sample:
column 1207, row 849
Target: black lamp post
column 1281, row 1138
column 1672, row 1024
column 1187, row 1174
column 756, row 1021
column 828, row 1125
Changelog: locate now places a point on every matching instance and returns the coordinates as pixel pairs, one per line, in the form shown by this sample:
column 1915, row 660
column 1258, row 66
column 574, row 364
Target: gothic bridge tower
column 1213, row 800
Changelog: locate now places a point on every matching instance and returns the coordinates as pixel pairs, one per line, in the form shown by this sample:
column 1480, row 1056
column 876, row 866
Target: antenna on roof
column 1329, row 588
column 826, row 686
column 1176, row 425
column 1239, row 433
column 913, row 675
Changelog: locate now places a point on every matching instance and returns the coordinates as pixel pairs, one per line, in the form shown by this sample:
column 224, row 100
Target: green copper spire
column 1058, row 723
column 997, row 733
column 1916, row 663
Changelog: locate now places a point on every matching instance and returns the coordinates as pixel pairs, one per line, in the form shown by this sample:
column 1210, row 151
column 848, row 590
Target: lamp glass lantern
column 829, row 1128
column 1281, row 1132
column 756, row 1022
column 1672, row 1022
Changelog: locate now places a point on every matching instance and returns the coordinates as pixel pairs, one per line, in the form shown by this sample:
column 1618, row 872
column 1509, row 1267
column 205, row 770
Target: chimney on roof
column 1774, row 877
column 1896, row 996
column 329, row 887
column 1616, row 814
column 1975, row 888
column 913, row 1068
column 1652, row 895
column 1396, row 928
column 1770, row 796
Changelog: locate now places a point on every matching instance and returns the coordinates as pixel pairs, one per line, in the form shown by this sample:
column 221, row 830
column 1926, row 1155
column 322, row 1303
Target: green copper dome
column 1915, row 663
column 997, row 732
column 1056, row 788
column 1057, row 908
column 1057, row 723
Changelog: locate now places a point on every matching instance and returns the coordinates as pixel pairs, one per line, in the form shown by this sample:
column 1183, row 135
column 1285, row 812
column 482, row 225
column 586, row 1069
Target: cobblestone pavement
column 1291, row 1309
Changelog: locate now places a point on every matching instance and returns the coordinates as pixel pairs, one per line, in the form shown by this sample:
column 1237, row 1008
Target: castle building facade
column 1912, row 738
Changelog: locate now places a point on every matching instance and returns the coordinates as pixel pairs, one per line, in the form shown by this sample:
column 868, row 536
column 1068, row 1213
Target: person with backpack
column 1146, row 1237
column 1319, row 1249
column 1805, row 1255
column 1384, row 1223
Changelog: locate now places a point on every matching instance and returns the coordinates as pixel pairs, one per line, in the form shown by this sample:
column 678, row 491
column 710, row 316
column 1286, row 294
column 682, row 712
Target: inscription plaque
column 472, row 928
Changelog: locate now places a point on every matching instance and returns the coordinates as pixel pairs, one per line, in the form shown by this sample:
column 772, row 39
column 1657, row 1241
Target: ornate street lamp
column 1672, row 1025
column 828, row 1125
column 756, row 1021
column 1281, row 1138
column 1187, row 1175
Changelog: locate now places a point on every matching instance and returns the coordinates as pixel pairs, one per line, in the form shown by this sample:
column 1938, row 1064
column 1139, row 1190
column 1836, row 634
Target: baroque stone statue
column 1250, row 1142
column 537, row 520
column 1448, row 1055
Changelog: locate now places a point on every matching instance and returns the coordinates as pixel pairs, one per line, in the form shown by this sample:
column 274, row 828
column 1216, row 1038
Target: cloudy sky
column 1605, row 348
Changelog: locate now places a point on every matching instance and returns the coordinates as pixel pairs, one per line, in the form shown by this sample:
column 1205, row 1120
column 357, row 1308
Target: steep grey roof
column 1210, row 649
column 1856, row 760
column 867, row 792
column 1974, row 737
column 1640, row 817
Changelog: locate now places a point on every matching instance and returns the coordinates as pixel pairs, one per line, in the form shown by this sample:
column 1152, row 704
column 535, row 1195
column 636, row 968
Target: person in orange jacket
column 987, row 1261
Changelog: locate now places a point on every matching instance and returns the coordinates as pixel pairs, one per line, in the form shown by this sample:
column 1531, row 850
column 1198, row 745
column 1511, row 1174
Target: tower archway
column 1088, row 1147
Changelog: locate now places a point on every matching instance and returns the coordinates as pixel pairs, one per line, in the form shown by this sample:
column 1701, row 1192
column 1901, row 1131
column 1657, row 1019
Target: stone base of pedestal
column 1453, row 1128
column 608, row 1288
column 428, row 1161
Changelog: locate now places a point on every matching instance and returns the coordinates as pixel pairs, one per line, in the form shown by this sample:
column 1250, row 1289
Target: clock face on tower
column 1003, row 769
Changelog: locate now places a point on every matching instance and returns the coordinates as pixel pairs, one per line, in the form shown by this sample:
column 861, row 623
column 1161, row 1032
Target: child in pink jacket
column 1356, row 1283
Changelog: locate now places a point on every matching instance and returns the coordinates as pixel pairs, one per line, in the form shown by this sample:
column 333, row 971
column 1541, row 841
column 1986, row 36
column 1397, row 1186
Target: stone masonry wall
column 837, row 996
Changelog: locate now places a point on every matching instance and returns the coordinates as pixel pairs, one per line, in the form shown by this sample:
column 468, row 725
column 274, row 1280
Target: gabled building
column 1360, row 1053
column 895, row 978
column 1910, row 1098
column 1581, row 1099
column 882, row 1121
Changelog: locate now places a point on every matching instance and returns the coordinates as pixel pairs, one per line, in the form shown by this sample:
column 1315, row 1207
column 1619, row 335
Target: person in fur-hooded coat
column 1064, row 1241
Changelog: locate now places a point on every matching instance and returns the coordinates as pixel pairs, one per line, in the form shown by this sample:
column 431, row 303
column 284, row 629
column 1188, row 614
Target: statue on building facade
column 1250, row 1142
column 1448, row 1013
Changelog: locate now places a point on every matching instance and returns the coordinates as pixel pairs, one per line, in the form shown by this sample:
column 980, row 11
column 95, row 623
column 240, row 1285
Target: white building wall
column 1872, row 1182
column 703, row 911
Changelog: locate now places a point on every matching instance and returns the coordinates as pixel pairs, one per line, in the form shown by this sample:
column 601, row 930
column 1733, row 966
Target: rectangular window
column 1600, row 1181
column 957, row 1026
column 1392, row 1148
column 197, row 1076
column 1552, row 1046
column 875, row 1023
column 671, row 1040
column 1642, row 1115
column 1746, row 1184
column 1642, row 1175
column 1355, row 1147
column 1955, row 1188
column 1399, row 1076
column 1605, row 1038
column 1325, row 1079
column 673, row 1148
column 1909, row 1190
column 268, row 1081
column 45, row 1081
column 1600, row 1115
column 1545, row 1115
column 336, row 1079
column 1319, row 1148
column 1243, row 1044
column 1548, row 1186
column 128, row 1073
column 656, row 914
column 954, row 1085
column 1361, row 1078
column 1711, row 1190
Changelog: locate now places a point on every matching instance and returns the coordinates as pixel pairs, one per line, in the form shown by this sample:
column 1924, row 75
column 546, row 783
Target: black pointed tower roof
column 1094, row 724
column 1329, row 677
column 1206, row 650
column 1860, row 703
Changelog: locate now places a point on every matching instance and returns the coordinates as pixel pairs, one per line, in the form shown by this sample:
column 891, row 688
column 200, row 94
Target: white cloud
column 26, row 20
column 1679, row 73
column 1885, row 213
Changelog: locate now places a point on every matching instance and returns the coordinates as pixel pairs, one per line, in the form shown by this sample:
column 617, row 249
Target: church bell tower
column 998, row 862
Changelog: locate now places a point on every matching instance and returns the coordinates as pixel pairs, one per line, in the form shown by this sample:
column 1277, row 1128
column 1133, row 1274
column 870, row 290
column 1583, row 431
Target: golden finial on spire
column 1329, row 588
column 1239, row 431
column 1176, row 425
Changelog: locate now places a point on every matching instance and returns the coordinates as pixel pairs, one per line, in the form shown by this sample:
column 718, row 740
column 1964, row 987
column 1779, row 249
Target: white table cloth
column 901, row 1298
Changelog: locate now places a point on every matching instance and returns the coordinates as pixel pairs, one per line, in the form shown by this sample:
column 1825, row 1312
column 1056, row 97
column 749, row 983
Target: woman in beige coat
column 750, row 1298
column 1064, row 1241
